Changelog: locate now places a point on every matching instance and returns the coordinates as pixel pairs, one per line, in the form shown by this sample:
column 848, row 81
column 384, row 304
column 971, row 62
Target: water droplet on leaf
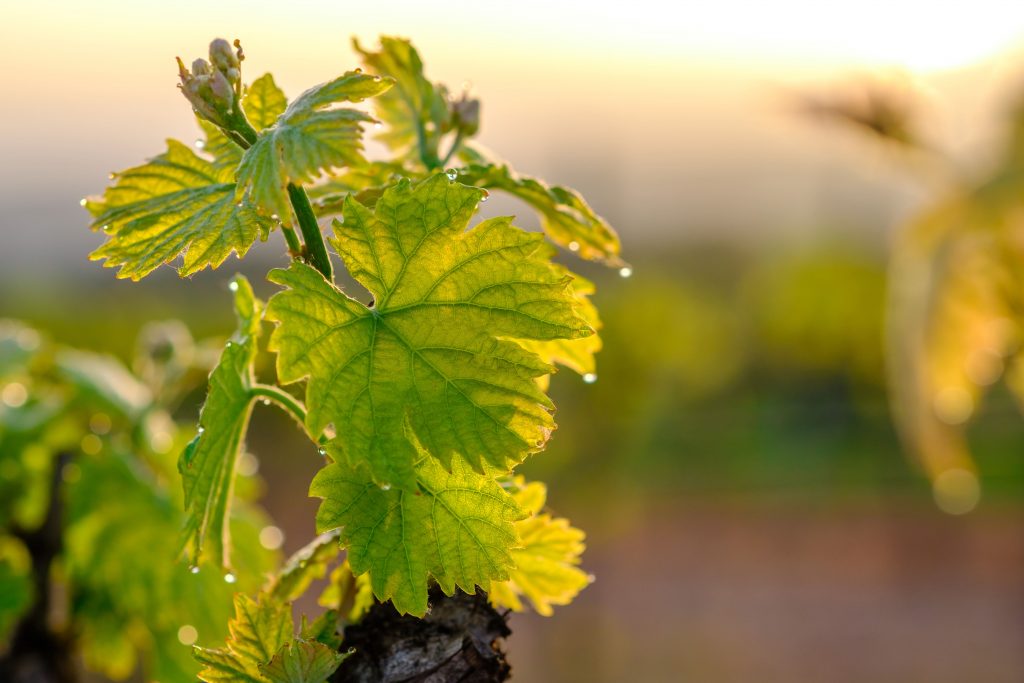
column 574, row 246
column 200, row 144
column 229, row 578
column 194, row 569
column 590, row 378
column 233, row 286
column 452, row 174
column 625, row 271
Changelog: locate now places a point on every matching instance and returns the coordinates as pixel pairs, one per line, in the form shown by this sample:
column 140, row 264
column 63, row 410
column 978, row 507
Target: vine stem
column 454, row 148
column 291, row 405
column 242, row 132
column 282, row 398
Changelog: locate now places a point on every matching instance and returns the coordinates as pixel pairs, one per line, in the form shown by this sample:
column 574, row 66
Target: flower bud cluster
column 215, row 88
column 465, row 114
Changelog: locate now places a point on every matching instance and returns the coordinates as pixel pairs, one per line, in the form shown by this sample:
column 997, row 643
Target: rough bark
column 38, row 653
column 458, row 641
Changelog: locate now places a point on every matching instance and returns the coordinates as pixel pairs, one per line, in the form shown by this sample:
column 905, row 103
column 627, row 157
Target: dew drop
column 83, row 201
column 200, row 430
column 200, row 144
column 452, row 174
column 274, row 217
column 265, row 401
column 322, row 452
column 233, row 286
column 487, row 195
column 358, row 70
column 591, row 578
column 625, row 271
column 385, row 486
column 239, row 205
column 378, row 125
column 106, row 228
column 590, row 378
column 194, row 569
column 229, row 578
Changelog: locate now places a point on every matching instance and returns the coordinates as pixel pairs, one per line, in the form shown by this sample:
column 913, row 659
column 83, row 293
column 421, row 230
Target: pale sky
column 671, row 117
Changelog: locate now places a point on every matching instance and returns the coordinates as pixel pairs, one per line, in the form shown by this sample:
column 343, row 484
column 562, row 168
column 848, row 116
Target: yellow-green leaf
column 564, row 215
column 176, row 204
column 307, row 139
column 302, row 661
column 259, row 630
column 435, row 349
column 546, row 566
column 415, row 112
column 263, row 102
column 456, row 527
column 575, row 354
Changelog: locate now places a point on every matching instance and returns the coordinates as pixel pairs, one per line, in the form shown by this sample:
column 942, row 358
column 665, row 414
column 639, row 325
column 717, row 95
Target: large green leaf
column 177, row 203
column 415, row 111
column 259, row 630
column 307, row 139
column 457, row 527
column 564, row 215
column 207, row 465
column 435, row 348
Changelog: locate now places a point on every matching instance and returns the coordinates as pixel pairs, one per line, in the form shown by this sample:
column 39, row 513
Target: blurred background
column 752, row 513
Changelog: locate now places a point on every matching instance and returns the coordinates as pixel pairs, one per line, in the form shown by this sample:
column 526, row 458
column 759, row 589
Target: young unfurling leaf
column 435, row 348
column 306, row 140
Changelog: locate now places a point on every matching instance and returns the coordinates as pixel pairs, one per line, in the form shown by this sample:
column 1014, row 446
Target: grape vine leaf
column 565, row 216
column 546, row 566
column 305, row 566
column 263, row 102
column 303, row 661
column 415, row 111
column 176, row 203
column 207, row 464
column 457, row 527
column 261, row 627
column 308, row 139
column 435, row 348
column 575, row 354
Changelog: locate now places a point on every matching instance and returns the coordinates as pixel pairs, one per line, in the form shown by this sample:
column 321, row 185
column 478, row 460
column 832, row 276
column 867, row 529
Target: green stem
column 282, row 398
column 314, row 239
column 454, row 148
column 288, row 403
